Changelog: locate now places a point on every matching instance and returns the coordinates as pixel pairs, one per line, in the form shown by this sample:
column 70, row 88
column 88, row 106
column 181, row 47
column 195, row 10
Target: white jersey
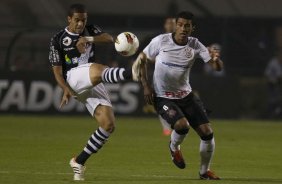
column 173, row 63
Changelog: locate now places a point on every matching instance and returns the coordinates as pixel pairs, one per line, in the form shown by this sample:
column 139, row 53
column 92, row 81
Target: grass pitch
column 36, row 150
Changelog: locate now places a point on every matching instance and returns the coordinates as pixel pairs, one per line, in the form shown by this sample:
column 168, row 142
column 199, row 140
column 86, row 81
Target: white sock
column 206, row 153
column 165, row 124
column 176, row 139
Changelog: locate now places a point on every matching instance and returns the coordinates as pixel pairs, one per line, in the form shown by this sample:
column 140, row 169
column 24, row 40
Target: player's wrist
column 90, row 39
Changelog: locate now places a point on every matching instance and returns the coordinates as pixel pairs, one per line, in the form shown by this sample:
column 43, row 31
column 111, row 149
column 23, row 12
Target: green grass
column 36, row 150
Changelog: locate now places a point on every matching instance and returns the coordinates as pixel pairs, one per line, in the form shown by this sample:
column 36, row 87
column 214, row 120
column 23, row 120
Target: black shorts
column 190, row 107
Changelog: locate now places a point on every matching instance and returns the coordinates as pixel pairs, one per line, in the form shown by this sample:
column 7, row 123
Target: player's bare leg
column 166, row 127
column 105, row 118
column 207, row 147
column 181, row 129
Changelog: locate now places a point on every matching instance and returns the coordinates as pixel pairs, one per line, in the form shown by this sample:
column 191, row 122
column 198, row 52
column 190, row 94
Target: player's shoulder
column 58, row 35
column 195, row 42
column 192, row 39
column 163, row 37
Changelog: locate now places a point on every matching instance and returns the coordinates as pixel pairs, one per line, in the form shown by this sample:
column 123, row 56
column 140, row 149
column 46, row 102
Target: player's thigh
column 95, row 73
column 78, row 78
column 105, row 117
column 168, row 110
column 194, row 111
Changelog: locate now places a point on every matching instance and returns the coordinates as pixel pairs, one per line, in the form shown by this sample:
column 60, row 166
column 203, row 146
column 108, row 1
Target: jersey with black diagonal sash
column 63, row 51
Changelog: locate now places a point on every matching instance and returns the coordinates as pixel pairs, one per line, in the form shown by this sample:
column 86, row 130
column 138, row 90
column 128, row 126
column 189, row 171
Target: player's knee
column 109, row 126
column 204, row 130
column 182, row 126
column 207, row 137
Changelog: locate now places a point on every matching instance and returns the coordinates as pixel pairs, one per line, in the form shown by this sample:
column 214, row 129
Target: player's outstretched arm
column 148, row 92
column 102, row 38
column 57, row 70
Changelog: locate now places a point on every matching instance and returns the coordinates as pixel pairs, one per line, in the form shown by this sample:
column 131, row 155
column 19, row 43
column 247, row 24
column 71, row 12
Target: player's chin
column 79, row 31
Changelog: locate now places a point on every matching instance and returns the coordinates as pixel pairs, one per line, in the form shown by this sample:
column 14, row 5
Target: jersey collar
column 74, row 34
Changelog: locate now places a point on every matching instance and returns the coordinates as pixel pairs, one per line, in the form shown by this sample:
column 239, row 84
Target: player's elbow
column 107, row 38
column 142, row 56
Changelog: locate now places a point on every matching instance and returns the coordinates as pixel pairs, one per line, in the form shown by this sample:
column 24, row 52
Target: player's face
column 169, row 25
column 77, row 22
column 184, row 29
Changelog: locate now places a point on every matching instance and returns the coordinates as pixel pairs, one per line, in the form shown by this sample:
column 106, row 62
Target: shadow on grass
column 168, row 179
column 259, row 180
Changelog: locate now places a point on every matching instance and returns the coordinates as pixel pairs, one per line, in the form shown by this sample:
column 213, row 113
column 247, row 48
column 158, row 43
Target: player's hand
column 214, row 51
column 66, row 96
column 82, row 44
column 148, row 95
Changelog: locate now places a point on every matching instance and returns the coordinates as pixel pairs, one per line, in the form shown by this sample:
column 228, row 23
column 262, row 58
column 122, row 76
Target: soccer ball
column 126, row 44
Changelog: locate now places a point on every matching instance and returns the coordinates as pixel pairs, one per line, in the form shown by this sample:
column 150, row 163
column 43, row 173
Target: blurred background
column 249, row 33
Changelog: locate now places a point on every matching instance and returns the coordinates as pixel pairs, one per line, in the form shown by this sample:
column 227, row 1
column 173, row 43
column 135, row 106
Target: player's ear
column 69, row 19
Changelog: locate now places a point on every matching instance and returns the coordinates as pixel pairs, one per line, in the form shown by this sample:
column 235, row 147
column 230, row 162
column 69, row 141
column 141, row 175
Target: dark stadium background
column 37, row 139
column 248, row 31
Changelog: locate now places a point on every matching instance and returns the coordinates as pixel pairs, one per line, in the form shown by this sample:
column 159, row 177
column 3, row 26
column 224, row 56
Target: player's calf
column 94, row 144
column 177, row 137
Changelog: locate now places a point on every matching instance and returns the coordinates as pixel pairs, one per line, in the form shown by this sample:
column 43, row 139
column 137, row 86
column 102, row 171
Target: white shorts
column 78, row 79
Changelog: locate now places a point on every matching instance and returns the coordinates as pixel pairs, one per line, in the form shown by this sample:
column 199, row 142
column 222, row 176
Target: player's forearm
column 61, row 82
column 103, row 38
column 144, row 78
column 59, row 78
column 217, row 65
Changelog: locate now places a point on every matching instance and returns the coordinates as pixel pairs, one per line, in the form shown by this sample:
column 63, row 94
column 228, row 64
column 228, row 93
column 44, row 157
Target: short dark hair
column 185, row 15
column 76, row 8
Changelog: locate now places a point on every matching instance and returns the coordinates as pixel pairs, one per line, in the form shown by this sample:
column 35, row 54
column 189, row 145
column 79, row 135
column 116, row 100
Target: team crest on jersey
column 67, row 41
column 188, row 52
column 171, row 113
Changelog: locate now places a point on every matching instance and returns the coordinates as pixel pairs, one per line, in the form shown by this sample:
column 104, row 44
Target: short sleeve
column 55, row 56
column 95, row 30
column 203, row 52
column 153, row 49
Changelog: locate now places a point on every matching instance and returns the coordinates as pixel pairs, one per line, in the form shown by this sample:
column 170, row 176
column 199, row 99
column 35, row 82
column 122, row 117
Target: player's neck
column 70, row 31
column 178, row 40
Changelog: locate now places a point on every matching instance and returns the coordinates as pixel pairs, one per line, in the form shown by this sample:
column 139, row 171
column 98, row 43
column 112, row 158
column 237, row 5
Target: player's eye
column 187, row 26
column 179, row 24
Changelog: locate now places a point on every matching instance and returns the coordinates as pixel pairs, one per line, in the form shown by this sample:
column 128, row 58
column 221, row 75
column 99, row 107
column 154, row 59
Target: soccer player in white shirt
column 174, row 55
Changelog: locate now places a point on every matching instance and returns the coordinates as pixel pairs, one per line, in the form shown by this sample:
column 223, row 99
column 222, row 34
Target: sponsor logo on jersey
column 82, row 59
column 67, row 41
column 178, row 94
column 67, row 59
column 68, row 49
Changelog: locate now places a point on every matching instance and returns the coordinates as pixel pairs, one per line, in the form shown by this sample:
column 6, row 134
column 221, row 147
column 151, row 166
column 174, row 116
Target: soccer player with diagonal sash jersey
column 72, row 56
